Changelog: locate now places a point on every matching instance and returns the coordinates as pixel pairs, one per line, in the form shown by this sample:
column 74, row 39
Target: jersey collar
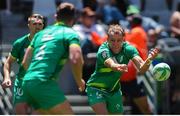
column 59, row 23
column 28, row 36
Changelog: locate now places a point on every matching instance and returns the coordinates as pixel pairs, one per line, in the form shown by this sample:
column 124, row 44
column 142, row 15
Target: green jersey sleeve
column 131, row 51
column 15, row 49
column 73, row 38
column 18, row 45
column 104, row 53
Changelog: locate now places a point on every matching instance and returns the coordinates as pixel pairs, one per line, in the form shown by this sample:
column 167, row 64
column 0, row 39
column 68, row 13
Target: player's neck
column 30, row 36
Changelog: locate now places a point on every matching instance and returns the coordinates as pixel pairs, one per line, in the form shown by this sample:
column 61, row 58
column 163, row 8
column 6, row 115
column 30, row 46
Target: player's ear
column 29, row 19
column 55, row 16
column 28, row 24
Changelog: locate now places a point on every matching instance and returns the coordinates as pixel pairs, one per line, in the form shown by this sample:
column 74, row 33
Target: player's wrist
column 148, row 62
column 112, row 65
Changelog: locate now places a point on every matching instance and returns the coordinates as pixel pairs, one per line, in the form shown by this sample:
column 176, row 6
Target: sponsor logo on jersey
column 104, row 54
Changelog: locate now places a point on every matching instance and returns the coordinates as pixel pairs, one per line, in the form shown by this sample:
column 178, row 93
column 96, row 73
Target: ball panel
column 163, row 75
column 161, row 72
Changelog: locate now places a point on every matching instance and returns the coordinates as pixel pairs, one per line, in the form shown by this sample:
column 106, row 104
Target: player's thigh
column 63, row 108
column 21, row 108
column 100, row 108
column 114, row 103
column 44, row 95
column 95, row 96
column 19, row 100
column 143, row 105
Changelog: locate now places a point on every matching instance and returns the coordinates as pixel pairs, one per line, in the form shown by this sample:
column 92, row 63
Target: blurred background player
column 35, row 24
column 129, row 85
column 48, row 52
column 153, row 29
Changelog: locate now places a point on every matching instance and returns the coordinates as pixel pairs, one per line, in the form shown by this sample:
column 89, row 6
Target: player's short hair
column 38, row 16
column 65, row 12
column 116, row 29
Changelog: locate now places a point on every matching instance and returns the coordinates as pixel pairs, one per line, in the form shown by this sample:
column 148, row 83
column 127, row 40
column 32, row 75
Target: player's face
column 35, row 25
column 115, row 43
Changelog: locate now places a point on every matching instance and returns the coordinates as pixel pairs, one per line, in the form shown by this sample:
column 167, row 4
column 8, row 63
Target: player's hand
column 81, row 85
column 6, row 83
column 120, row 67
column 153, row 53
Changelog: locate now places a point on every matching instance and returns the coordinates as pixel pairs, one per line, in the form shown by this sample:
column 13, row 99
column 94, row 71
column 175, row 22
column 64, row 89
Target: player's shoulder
column 128, row 47
column 70, row 30
column 21, row 39
column 104, row 47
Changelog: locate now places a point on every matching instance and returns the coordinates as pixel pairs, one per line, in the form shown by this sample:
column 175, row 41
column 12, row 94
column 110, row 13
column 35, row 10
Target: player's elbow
column 76, row 58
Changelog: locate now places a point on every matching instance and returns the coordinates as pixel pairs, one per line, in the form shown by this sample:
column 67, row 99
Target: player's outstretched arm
column 143, row 66
column 27, row 58
column 76, row 61
column 7, row 69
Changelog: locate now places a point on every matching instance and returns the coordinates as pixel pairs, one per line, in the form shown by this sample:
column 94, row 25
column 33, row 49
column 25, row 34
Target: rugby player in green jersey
column 103, row 87
column 35, row 24
column 46, row 56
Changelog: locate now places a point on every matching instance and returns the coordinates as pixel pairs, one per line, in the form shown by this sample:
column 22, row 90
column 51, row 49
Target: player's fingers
column 155, row 50
column 5, row 85
column 153, row 53
column 158, row 48
column 122, row 69
column 8, row 83
column 81, row 89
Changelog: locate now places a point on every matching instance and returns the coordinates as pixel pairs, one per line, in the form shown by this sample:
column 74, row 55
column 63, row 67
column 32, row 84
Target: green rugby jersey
column 51, row 50
column 18, row 50
column 103, row 77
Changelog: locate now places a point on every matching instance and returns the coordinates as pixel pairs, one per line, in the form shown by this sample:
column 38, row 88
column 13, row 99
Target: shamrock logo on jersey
column 104, row 54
